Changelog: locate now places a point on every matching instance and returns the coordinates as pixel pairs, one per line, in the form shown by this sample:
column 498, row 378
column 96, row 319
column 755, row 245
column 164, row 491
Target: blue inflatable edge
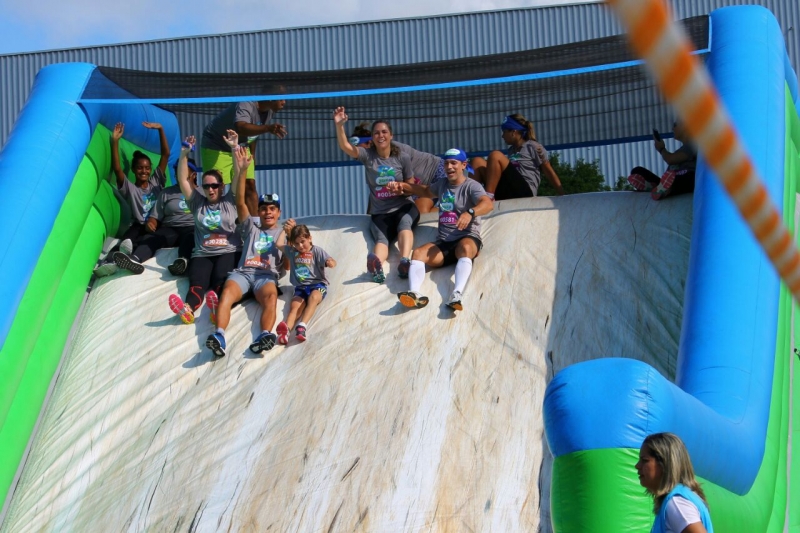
column 720, row 401
column 59, row 129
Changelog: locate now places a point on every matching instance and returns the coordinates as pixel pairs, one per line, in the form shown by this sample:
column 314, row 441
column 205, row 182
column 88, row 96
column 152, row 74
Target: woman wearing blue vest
column 666, row 472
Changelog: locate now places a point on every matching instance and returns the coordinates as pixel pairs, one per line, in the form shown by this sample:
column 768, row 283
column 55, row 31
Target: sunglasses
column 211, row 185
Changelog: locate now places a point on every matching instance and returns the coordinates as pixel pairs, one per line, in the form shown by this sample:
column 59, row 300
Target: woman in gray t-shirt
column 681, row 164
column 393, row 215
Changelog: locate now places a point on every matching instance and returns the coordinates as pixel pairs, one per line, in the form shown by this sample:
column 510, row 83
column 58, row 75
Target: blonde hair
column 676, row 467
column 529, row 135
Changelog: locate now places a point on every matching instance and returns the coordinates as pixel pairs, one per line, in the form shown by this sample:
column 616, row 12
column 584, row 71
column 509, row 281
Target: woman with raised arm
column 665, row 471
column 215, row 238
column 516, row 174
column 140, row 195
column 393, row 215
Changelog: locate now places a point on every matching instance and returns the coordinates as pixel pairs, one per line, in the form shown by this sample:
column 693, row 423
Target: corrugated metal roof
column 437, row 38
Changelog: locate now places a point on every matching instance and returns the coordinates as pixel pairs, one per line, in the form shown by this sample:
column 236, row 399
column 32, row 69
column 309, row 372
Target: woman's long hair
column 530, row 134
column 676, row 466
column 394, row 151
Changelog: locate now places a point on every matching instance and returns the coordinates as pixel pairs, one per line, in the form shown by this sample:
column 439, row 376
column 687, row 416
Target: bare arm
column 671, row 158
column 183, row 168
column 552, row 177
column 116, row 135
column 241, row 160
column 162, row 137
column 339, row 118
column 404, row 187
column 483, row 207
column 330, row 262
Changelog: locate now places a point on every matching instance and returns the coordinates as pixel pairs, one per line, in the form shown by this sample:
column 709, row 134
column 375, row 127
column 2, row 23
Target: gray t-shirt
column 378, row 172
column 527, row 162
column 214, row 225
column 689, row 164
column 307, row 268
column 426, row 167
column 453, row 201
column 141, row 201
column 260, row 251
column 172, row 209
column 241, row 112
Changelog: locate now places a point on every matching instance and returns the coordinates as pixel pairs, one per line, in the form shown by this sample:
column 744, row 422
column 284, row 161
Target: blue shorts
column 304, row 291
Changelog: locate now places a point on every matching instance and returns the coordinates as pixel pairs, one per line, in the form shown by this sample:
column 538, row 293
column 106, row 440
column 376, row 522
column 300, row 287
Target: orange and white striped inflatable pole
column 686, row 85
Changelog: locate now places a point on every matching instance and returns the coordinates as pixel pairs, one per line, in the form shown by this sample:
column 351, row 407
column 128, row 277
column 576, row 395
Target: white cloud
column 89, row 22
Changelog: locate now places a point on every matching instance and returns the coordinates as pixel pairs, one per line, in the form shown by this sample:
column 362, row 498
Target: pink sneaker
column 283, row 333
column 177, row 306
column 637, row 182
column 212, row 301
column 300, row 333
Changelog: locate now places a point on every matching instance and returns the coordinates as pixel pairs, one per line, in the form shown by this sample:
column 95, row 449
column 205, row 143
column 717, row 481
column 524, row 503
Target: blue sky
column 53, row 24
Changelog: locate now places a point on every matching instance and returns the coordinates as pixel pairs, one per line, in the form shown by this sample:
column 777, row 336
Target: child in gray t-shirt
column 307, row 263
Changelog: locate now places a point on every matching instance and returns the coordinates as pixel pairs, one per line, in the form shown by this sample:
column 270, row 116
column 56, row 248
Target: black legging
column 208, row 273
column 684, row 180
column 165, row 237
column 134, row 233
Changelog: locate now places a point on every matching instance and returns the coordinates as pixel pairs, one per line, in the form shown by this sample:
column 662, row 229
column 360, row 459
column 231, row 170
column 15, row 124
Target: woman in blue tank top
column 665, row 471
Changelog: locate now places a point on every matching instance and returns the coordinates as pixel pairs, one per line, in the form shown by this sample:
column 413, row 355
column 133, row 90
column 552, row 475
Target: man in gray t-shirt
column 462, row 202
column 250, row 120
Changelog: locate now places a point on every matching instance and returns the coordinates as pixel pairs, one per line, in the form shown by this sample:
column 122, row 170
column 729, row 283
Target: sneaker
column 412, row 299
column 128, row 262
column 178, row 267
column 637, row 182
column 455, row 301
column 216, row 343
column 106, row 269
column 179, row 308
column 283, row 333
column 375, row 267
column 126, row 247
column 212, row 301
column 402, row 268
column 300, row 333
column 263, row 342
column 664, row 187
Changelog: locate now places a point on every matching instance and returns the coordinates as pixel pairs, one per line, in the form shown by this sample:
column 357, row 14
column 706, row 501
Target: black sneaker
column 216, row 343
column 412, row 299
column 178, row 267
column 128, row 262
column 263, row 343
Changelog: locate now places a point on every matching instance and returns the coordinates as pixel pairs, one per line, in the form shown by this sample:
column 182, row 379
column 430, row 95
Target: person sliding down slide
column 462, row 202
column 260, row 267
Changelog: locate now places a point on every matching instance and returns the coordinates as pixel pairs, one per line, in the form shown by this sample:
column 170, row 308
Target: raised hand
column 152, row 125
column 119, row 129
column 288, row 226
column 232, row 139
column 242, row 156
column 188, row 145
column 339, row 116
column 279, row 131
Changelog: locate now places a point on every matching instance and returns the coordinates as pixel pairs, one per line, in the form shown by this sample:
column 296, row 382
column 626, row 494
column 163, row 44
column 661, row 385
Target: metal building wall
column 343, row 46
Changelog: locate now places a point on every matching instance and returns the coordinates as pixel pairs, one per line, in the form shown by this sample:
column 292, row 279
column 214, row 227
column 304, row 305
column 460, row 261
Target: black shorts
column 384, row 228
column 512, row 185
column 448, row 249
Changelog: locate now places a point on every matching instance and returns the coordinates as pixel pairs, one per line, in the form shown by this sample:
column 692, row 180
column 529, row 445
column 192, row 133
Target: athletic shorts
column 304, row 291
column 385, row 228
column 250, row 281
column 512, row 185
column 223, row 161
column 448, row 249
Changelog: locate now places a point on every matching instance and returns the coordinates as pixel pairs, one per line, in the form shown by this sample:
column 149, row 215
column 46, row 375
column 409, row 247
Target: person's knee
column 496, row 155
column 466, row 248
column 315, row 296
column 419, row 255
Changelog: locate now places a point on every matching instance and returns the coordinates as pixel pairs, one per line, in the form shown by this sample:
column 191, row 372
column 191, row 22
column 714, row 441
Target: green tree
column 622, row 184
column 582, row 177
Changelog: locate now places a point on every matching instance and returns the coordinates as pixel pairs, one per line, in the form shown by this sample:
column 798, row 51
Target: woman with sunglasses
column 518, row 173
column 215, row 238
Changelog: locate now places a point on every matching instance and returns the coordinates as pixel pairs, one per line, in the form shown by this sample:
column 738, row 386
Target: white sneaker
column 106, row 269
column 455, row 301
column 412, row 299
column 126, row 247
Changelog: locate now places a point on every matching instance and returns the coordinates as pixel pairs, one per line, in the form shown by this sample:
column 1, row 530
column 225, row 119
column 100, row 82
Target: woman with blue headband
column 518, row 173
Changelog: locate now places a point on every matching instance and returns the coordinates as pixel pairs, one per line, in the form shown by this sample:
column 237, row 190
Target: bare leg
column 382, row 251
column 251, row 197
column 311, row 306
column 405, row 241
column 425, row 205
column 494, row 169
column 231, row 293
column 298, row 306
column 267, row 297
column 479, row 166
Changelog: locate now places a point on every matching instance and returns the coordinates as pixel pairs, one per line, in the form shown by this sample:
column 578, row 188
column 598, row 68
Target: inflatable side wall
column 731, row 399
column 55, row 170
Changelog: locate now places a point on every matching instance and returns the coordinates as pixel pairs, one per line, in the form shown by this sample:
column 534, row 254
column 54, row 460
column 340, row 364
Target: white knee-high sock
column 416, row 273
column 463, row 270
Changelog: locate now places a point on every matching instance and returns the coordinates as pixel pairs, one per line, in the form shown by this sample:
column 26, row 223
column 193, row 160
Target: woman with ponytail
column 665, row 471
column 516, row 174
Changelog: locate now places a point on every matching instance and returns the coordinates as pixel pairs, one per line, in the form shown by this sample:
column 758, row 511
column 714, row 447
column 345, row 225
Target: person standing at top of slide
column 249, row 120
column 393, row 216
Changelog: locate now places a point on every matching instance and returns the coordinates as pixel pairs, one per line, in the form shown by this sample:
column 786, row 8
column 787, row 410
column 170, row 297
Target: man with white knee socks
column 462, row 202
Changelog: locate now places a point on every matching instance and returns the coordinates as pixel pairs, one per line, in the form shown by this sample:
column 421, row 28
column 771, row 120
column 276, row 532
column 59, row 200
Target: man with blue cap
column 462, row 202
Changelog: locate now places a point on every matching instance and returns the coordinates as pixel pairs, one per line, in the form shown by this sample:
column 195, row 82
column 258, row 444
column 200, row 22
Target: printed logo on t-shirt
column 212, row 220
column 262, row 245
column 183, row 205
column 302, row 264
column 514, row 159
column 147, row 203
column 386, row 175
column 446, row 206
